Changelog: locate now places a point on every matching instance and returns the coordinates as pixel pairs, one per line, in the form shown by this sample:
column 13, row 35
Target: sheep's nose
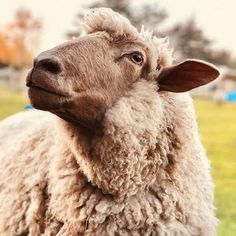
column 48, row 64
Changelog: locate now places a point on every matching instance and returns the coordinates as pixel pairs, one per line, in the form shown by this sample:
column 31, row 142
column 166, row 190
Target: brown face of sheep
column 80, row 79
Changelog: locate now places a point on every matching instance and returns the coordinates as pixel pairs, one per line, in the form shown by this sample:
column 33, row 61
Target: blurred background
column 203, row 29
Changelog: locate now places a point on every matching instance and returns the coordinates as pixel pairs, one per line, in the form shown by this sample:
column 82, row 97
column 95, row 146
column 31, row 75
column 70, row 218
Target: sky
column 216, row 17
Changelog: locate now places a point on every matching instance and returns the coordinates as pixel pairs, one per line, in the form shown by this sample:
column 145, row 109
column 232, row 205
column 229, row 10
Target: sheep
column 112, row 147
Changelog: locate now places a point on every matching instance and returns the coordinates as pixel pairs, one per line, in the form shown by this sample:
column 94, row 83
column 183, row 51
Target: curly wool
column 150, row 161
column 104, row 19
column 146, row 174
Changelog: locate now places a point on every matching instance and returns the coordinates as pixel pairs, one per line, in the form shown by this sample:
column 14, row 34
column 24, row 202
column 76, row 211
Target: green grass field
column 10, row 102
column 218, row 132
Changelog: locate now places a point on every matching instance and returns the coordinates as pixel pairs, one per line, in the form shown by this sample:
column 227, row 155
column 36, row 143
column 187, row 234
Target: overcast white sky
column 216, row 17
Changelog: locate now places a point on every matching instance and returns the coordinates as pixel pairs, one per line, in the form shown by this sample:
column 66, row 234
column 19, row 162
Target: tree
column 149, row 14
column 20, row 39
column 4, row 49
column 190, row 41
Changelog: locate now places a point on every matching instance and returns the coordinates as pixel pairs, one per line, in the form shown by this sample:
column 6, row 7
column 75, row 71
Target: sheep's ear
column 186, row 76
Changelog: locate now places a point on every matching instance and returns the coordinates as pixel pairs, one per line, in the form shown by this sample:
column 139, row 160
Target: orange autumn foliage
column 19, row 39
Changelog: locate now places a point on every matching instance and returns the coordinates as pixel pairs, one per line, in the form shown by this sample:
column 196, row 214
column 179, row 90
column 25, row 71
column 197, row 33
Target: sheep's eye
column 136, row 57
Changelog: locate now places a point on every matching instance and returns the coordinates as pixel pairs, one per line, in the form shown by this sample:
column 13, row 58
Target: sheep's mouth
column 41, row 82
column 33, row 87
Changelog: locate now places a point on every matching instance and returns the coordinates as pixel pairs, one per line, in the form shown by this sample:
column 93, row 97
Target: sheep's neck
column 121, row 167
column 85, row 130
column 136, row 148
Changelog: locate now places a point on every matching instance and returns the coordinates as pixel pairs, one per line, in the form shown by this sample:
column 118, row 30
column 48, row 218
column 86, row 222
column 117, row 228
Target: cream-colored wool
column 107, row 20
column 147, row 174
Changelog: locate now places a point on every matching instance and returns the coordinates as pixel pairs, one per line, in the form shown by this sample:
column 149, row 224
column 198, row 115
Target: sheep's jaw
column 83, row 109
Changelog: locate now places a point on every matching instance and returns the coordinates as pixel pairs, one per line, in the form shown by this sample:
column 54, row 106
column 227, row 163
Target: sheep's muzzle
column 43, row 81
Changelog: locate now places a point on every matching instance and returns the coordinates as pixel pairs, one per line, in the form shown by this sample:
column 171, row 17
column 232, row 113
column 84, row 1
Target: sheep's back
column 24, row 157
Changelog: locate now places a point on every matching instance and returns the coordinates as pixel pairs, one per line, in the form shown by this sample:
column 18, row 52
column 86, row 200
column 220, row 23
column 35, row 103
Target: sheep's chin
column 44, row 100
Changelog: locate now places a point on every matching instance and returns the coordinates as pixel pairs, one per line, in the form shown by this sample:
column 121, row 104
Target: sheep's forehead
column 116, row 25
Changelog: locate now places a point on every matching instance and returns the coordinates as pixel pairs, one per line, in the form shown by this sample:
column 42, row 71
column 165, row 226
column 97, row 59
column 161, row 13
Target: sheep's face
column 80, row 79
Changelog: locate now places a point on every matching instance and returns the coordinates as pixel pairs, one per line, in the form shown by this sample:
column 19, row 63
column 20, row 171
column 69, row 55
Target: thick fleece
column 146, row 173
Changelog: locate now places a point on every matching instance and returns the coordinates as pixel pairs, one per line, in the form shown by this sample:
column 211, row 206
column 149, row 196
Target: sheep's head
column 80, row 79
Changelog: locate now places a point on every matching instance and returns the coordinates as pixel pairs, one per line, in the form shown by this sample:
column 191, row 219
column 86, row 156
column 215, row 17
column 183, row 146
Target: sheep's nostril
column 51, row 65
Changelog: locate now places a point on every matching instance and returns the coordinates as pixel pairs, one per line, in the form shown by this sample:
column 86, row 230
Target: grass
column 218, row 132
column 10, row 102
column 217, row 125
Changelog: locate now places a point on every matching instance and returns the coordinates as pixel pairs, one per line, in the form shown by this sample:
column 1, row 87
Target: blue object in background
column 230, row 96
column 28, row 107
